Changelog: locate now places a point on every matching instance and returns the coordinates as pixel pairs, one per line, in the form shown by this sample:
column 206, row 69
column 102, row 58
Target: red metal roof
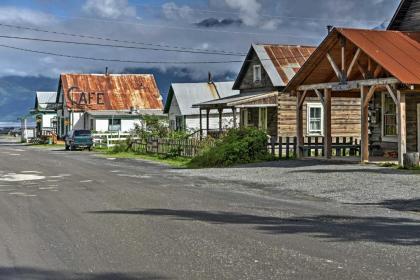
column 110, row 92
column 288, row 59
column 397, row 52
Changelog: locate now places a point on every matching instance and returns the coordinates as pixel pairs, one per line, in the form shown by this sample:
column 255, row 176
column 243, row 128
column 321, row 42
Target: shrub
column 237, row 146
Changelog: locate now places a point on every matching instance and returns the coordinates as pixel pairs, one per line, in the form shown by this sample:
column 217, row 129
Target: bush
column 237, row 146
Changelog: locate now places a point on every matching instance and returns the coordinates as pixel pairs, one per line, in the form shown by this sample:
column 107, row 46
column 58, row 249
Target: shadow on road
column 412, row 205
column 398, row 231
column 28, row 273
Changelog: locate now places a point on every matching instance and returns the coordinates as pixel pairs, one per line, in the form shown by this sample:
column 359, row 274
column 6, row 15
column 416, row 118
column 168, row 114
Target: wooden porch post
column 220, row 119
column 299, row 124
column 207, row 121
column 327, row 123
column 201, row 124
column 364, row 125
column 402, row 130
column 234, row 117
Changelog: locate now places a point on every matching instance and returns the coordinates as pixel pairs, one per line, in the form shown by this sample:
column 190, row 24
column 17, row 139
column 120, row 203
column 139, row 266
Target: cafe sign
column 81, row 98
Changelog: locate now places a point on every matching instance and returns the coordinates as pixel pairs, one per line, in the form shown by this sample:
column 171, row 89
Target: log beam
column 327, row 123
column 402, row 129
column 334, row 67
column 300, row 98
column 353, row 62
column 364, row 125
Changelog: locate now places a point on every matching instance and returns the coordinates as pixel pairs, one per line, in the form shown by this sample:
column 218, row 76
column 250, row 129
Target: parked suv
column 77, row 139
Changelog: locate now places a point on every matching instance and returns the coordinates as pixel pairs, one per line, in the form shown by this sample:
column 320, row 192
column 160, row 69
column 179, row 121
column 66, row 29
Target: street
column 79, row 215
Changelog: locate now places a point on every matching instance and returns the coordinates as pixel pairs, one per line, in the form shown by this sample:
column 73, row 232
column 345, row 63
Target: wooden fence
column 163, row 146
column 286, row 147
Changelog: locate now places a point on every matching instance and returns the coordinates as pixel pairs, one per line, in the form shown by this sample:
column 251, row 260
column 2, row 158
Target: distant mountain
column 17, row 94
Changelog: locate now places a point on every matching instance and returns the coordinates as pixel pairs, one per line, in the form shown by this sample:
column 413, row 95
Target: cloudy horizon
column 226, row 25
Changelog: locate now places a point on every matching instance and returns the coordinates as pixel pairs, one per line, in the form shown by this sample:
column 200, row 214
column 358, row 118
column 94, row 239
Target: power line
column 113, row 46
column 133, row 61
column 210, row 51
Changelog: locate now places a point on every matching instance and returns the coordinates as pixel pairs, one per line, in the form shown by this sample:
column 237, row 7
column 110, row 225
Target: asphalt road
column 75, row 215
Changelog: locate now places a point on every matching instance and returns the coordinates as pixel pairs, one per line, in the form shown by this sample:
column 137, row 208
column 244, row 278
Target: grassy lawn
column 178, row 162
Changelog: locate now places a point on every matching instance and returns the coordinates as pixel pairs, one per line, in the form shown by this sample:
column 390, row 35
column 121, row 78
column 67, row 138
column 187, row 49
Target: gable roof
column 397, row 52
column 188, row 94
column 45, row 100
column 406, row 16
column 281, row 62
column 120, row 92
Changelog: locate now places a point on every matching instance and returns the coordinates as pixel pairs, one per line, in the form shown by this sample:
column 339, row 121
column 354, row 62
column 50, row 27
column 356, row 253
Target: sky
column 227, row 26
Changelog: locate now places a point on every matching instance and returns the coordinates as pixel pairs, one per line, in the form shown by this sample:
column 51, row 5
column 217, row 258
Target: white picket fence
column 108, row 140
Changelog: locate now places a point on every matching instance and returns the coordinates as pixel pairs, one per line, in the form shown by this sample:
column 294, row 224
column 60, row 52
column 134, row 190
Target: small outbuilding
column 45, row 112
column 184, row 117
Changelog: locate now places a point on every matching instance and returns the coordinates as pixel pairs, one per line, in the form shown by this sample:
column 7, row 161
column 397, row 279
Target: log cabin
column 365, row 64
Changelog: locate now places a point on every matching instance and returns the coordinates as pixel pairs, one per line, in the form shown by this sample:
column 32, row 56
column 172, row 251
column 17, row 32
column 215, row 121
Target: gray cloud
column 112, row 9
column 214, row 22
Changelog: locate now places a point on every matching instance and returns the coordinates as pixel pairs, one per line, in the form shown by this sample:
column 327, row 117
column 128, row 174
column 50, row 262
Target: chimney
column 210, row 78
column 329, row 28
column 106, row 71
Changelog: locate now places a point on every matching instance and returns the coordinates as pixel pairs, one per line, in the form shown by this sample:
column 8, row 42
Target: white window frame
column 257, row 75
column 386, row 138
column 308, row 119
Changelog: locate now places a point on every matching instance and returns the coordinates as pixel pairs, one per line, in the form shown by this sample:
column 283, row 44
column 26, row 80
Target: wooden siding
column 345, row 119
column 247, row 82
column 408, row 17
column 412, row 99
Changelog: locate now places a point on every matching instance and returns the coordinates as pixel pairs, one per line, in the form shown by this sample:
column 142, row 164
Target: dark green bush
column 237, row 146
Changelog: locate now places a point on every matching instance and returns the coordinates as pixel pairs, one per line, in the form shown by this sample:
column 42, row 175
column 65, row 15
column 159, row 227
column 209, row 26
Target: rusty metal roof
column 117, row 92
column 397, row 52
column 281, row 62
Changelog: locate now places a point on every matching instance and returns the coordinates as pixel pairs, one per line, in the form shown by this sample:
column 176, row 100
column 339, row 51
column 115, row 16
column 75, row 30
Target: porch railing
column 286, row 147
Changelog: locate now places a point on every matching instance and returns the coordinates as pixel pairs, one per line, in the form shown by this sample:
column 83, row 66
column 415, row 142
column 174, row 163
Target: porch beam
column 402, row 129
column 220, row 119
column 369, row 95
column 361, row 70
column 350, row 85
column 207, row 120
column 393, row 94
column 201, row 124
column 364, row 125
column 234, row 117
column 353, row 62
column 320, row 96
column 377, row 71
column 335, row 67
column 327, row 123
column 300, row 97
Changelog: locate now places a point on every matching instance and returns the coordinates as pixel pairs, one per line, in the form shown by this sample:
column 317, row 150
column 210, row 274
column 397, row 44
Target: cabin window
column 389, row 116
column 257, row 73
column 179, row 123
column 314, row 119
column 114, row 124
column 262, row 119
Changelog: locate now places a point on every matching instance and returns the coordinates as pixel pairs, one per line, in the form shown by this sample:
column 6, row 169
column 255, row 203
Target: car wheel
column 90, row 148
column 72, row 148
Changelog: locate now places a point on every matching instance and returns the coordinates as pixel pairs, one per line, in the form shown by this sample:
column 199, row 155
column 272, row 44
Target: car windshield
column 82, row 133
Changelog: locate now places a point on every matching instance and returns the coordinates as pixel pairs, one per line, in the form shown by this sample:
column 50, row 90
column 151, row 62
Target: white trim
column 391, row 139
column 308, row 118
column 257, row 73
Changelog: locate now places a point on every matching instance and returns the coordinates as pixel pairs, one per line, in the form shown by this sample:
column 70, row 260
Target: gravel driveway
column 343, row 182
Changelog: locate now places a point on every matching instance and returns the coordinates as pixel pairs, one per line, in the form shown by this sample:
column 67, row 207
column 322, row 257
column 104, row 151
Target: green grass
column 178, row 162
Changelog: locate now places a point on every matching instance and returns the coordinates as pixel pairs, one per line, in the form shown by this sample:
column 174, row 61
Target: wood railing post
column 327, row 123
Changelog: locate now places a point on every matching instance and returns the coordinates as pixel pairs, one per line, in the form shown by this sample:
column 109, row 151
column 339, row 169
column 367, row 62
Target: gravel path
column 343, row 182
